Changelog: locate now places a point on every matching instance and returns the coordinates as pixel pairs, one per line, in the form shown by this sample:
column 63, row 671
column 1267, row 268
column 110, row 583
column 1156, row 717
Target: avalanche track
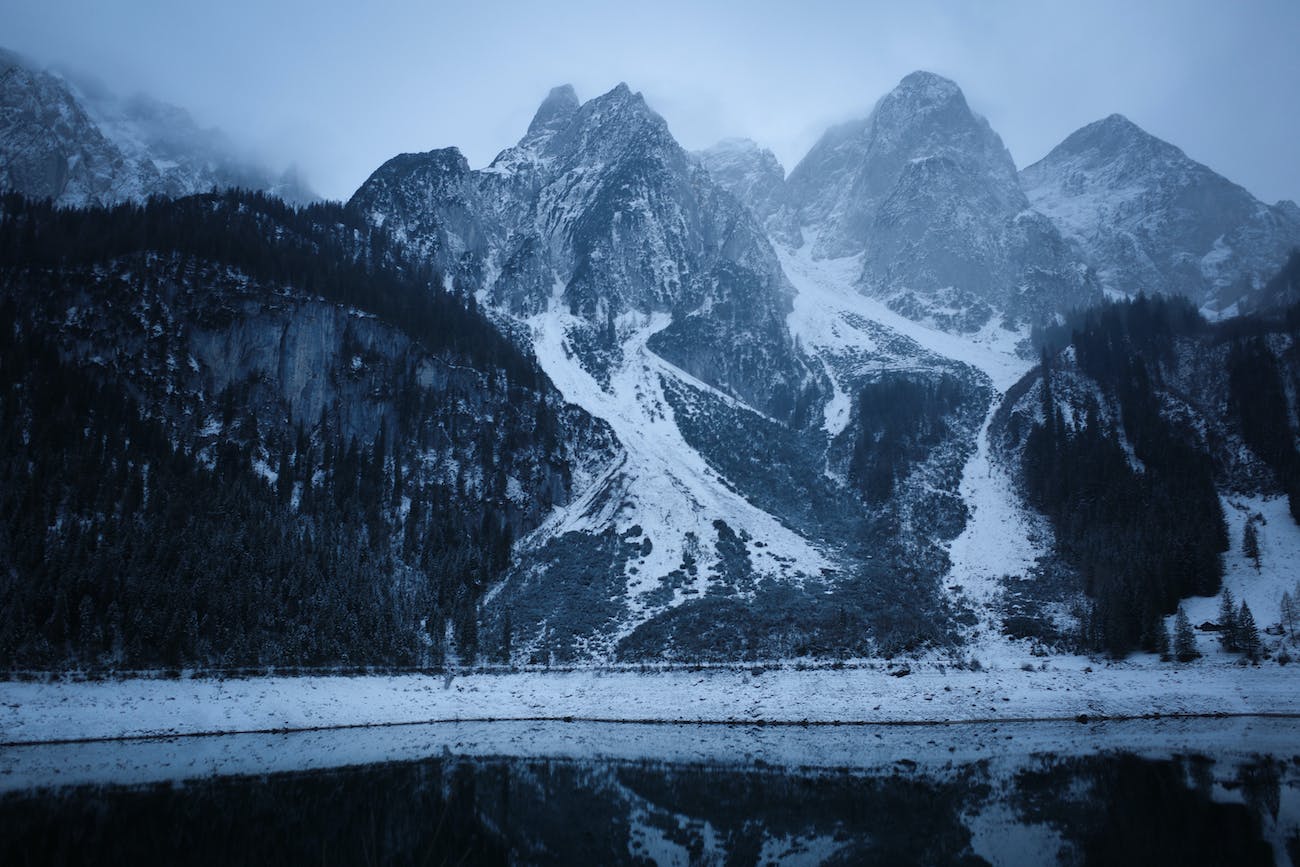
column 829, row 316
column 660, row 483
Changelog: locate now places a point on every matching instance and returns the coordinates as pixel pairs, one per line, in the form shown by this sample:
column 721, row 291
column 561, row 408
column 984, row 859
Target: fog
column 337, row 88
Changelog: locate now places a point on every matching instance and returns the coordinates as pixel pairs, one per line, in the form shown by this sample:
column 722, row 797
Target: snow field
column 1067, row 688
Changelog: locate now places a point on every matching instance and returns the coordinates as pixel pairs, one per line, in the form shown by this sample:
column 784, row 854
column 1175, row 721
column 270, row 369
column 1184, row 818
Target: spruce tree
column 1162, row 640
column 1228, row 621
column 1290, row 612
column 1250, row 543
column 1247, row 633
column 1184, row 638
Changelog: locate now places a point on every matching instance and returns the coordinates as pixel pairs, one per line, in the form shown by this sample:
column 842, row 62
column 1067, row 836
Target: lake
column 1143, row 792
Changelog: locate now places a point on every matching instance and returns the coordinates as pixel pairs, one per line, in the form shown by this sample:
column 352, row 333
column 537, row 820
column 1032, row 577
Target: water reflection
column 940, row 807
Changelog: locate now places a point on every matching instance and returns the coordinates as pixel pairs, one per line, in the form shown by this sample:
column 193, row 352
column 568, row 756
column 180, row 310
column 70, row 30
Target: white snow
column 827, row 297
column 1000, row 537
column 1279, row 546
column 35, row 712
column 660, row 483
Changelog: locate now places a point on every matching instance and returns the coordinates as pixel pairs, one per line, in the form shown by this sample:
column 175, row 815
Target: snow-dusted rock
column 750, row 173
column 80, row 145
column 925, row 191
column 1149, row 218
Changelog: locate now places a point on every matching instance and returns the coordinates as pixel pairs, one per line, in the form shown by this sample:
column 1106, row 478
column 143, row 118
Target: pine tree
column 1247, row 633
column 1184, row 638
column 1290, row 612
column 1228, row 621
column 1162, row 640
column 1250, row 543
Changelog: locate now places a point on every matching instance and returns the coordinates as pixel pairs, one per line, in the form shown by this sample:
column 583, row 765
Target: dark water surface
column 1210, row 792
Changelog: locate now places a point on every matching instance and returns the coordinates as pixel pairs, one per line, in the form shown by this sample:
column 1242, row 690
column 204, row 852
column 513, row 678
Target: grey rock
column 1150, row 219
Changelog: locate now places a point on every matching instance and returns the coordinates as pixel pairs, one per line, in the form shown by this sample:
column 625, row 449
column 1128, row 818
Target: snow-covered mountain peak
column 926, row 113
column 848, row 175
column 925, row 191
column 1150, row 218
column 921, row 90
column 1117, row 145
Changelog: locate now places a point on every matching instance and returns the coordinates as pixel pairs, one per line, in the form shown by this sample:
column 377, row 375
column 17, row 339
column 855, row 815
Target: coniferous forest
column 155, row 514
column 1129, row 486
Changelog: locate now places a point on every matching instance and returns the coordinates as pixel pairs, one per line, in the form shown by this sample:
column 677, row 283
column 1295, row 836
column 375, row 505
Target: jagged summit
column 1115, row 134
column 925, row 191
column 554, row 112
column 749, row 172
column 926, row 87
column 847, row 176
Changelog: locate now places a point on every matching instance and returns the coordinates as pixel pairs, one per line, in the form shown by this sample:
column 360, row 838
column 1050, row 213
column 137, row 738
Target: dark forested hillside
column 1143, row 412
column 236, row 434
column 322, row 250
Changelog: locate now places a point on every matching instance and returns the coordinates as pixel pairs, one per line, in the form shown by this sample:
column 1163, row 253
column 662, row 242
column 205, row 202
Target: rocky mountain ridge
column 1149, row 218
column 81, row 145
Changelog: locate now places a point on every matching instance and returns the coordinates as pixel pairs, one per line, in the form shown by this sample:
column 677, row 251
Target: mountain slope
column 242, row 436
column 83, row 146
column 750, row 173
column 653, row 299
column 1141, row 425
column 1149, row 218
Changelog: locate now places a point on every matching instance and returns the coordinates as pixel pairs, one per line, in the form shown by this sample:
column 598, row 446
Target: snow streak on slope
column 836, row 322
column 999, row 539
column 661, row 483
column 828, row 304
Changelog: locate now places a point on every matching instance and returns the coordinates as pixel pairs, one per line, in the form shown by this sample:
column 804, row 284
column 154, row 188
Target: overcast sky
column 341, row 87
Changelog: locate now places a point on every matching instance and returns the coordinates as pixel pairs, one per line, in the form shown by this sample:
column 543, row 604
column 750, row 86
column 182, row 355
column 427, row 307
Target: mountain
column 1151, row 438
column 595, row 401
column 80, row 145
column 239, row 435
column 925, row 192
column 597, row 206
column 654, row 300
column 1149, row 218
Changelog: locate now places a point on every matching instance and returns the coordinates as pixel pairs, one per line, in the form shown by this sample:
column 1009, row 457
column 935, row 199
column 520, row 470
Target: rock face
column 1149, row 218
column 329, row 401
column 599, row 212
column 924, row 190
column 643, row 280
column 81, row 146
column 750, row 173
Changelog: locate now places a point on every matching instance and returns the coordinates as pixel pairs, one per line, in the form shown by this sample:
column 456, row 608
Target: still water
column 1190, row 792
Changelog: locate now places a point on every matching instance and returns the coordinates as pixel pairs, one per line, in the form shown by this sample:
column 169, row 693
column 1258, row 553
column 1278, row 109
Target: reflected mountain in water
column 1106, row 809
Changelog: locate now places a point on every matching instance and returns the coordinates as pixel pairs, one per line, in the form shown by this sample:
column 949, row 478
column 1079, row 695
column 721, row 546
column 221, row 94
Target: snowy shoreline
column 1066, row 689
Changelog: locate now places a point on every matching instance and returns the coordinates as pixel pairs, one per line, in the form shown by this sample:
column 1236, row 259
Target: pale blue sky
column 341, row 87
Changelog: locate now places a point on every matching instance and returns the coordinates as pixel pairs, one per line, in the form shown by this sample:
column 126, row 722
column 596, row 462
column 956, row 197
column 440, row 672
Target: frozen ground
column 1068, row 687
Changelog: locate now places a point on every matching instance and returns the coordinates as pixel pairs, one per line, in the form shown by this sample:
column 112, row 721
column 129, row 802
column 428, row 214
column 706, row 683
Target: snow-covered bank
column 1067, row 688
